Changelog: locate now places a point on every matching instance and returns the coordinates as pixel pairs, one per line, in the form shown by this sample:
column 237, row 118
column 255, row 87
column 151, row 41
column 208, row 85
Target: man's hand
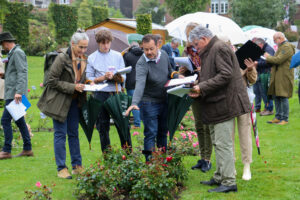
column 195, row 92
column 118, row 78
column 18, row 98
column 79, row 87
column 133, row 107
column 266, row 55
column 109, row 75
column 182, row 70
column 250, row 64
column 180, row 76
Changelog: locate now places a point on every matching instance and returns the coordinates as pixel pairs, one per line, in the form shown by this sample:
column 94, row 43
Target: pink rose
column 135, row 133
column 41, row 85
column 38, row 184
column 181, row 127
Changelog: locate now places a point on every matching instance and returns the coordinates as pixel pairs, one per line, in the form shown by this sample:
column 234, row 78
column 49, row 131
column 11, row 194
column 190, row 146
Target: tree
column 153, row 7
column 115, row 13
column 3, row 10
column 143, row 24
column 84, row 15
column 178, row 8
column 256, row 12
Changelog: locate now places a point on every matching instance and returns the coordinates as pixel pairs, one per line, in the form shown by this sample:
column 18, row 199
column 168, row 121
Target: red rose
column 169, row 159
column 123, row 157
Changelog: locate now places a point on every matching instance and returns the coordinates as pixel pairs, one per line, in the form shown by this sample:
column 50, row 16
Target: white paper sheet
column 125, row 70
column 95, row 87
column 180, row 81
column 184, row 61
column 180, row 90
column 16, row 110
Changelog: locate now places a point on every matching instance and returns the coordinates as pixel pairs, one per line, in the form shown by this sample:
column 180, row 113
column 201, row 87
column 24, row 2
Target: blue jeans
column 136, row 113
column 155, row 124
column 261, row 94
column 6, row 123
column 70, row 127
column 282, row 108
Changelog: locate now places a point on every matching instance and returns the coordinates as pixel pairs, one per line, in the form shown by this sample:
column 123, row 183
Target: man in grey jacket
column 15, row 87
column 153, row 70
column 223, row 97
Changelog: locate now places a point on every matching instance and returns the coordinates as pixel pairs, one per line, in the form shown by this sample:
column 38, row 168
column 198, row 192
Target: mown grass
column 275, row 173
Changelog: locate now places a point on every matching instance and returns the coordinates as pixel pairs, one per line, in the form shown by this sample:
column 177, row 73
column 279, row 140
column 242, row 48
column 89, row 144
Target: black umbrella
column 88, row 116
column 117, row 105
column 177, row 107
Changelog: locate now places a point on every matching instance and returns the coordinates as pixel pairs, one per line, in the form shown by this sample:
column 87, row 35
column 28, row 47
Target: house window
column 219, row 6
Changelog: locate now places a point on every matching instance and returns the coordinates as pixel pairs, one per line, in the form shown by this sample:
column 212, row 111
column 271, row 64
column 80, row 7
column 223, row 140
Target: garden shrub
column 16, row 22
column 41, row 40
column 126, row 176
column 291, row 36
column 99, row 14
column 143, row 24
column 65, row 21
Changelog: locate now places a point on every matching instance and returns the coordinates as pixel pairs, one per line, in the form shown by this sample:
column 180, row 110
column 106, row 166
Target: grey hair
column 175, row 41
column 199, row 32
column 77, row 36
column 260, row 41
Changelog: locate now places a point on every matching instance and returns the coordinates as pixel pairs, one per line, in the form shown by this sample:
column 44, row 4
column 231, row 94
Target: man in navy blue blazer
column 172, row 50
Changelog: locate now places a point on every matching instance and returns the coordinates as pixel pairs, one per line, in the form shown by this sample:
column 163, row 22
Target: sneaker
column 273, row 121
column 246, row 173
column 199, row 164
column 266, row 113
column 77, row 170
column 283, row 122
column 64, row 173
column 206, row 166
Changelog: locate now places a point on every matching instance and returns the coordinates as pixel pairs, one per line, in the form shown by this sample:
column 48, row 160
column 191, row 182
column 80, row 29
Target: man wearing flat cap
column 15, row 87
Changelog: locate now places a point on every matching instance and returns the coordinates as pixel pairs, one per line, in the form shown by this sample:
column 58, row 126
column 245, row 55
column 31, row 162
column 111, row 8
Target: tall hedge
column 144, row 24
column 65, row 21
column 99, row 14
column 16, row 21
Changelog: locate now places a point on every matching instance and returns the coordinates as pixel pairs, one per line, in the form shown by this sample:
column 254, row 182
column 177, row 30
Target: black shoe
column 210, row 182
column 199, row 164
column 225, row 189
column 206, row 166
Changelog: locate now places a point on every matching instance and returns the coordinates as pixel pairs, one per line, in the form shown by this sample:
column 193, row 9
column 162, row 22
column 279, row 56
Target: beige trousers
column 222, row 142
column 244, row 130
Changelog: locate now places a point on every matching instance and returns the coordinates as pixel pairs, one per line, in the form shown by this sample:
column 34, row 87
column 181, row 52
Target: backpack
column 49, row 60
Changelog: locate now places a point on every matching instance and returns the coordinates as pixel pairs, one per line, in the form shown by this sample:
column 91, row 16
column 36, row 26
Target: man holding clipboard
column 15, row 86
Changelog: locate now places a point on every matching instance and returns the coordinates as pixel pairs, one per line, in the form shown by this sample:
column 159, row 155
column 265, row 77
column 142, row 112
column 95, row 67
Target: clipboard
column 248, row 50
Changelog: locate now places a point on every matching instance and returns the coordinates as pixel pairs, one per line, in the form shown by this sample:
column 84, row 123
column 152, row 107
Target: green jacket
column 57, row 96
column 16, row 77
column 282, row 77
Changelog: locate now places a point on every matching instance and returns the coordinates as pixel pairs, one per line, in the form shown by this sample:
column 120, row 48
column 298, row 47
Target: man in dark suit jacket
column 172, row 50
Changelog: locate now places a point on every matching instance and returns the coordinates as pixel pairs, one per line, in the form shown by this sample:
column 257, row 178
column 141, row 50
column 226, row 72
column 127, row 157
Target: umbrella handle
column 117, row 87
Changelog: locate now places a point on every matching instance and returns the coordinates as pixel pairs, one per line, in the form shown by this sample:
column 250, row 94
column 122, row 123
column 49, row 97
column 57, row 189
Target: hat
column 6, row 36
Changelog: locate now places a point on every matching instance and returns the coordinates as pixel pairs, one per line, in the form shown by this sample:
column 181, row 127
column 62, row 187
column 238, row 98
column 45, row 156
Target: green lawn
column 275, row 173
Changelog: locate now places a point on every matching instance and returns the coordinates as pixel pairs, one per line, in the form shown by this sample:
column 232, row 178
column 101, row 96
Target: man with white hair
column 172, row 50
column 282, row 78
column 223, row 97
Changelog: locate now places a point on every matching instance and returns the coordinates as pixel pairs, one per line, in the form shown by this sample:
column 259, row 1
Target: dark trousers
column 6, row 123
column 282, row 108
column 103, row 123
column 70, row 127
column 155, row 124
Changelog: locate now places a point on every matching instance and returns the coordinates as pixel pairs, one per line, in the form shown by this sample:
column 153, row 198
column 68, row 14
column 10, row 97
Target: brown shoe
column 257, row 110
column 78, row 170
column 283, row 122
column 25, row 153
column 5, row 155
column 64, row 173
column 266, row 113
column 273, row 121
